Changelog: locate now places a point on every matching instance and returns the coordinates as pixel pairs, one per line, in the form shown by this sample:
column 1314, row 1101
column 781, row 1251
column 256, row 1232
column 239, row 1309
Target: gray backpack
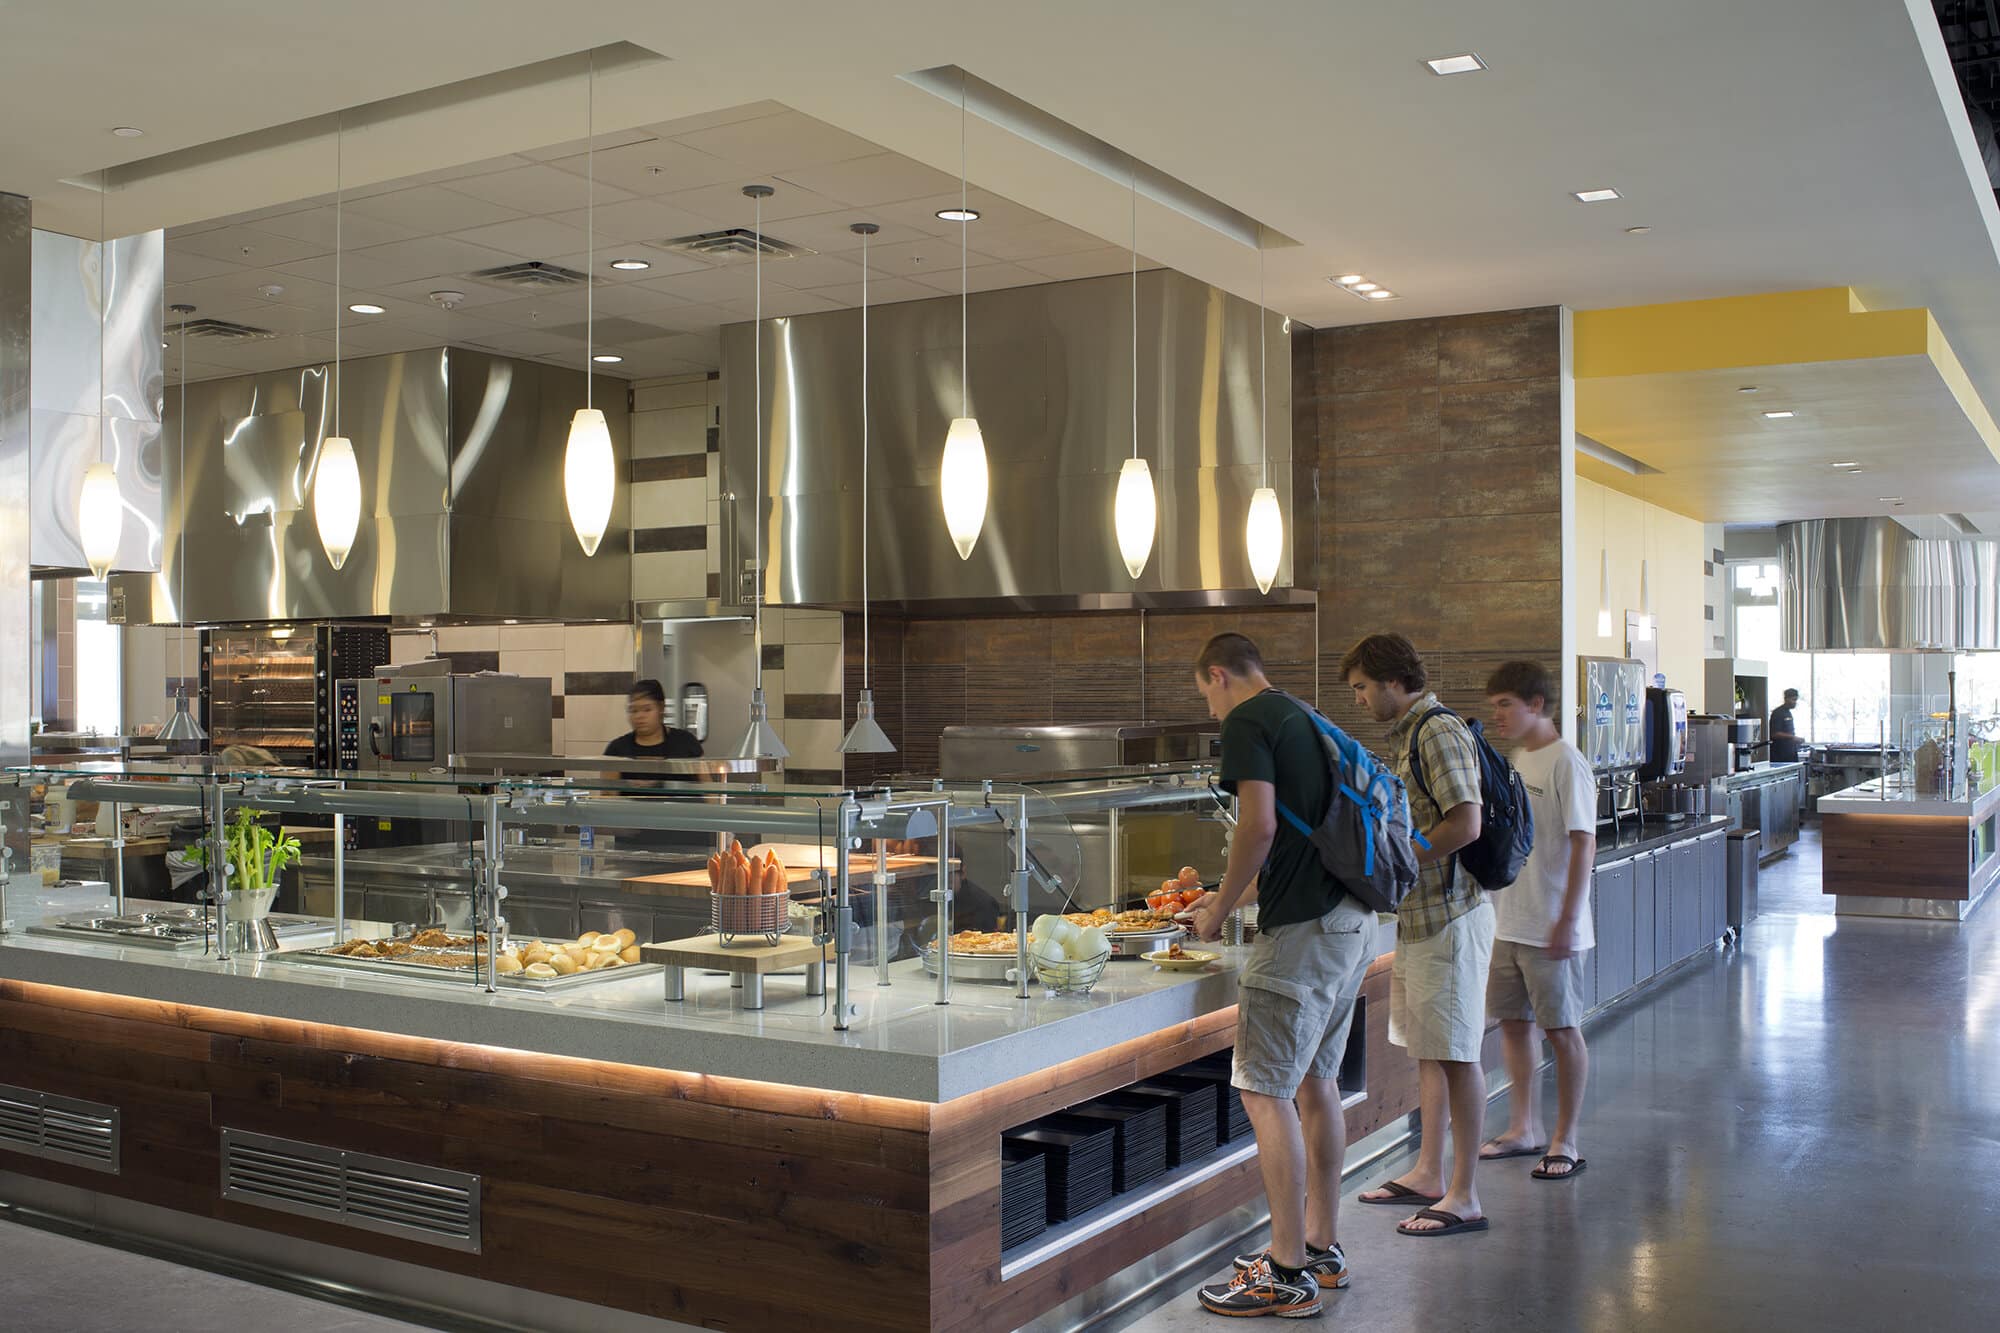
column 1365, row 839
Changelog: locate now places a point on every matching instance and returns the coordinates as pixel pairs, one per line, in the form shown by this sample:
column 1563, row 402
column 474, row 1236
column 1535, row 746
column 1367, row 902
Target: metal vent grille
column 735, row 243
column 222, row 330
column 531, row 275
column 403, row 1199
column 59, row 1128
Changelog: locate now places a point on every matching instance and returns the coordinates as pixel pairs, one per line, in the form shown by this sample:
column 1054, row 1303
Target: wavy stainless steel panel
column 1051, row 373
column 70, row 393
column 1870, row 585
column 16, row 475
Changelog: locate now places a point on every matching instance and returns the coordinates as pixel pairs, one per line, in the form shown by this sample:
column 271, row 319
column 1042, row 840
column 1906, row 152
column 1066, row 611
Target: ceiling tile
column 993, row 277
column 1087, row 264
column 669, row 129
column 832, row 231
column 359, row 272
column 552, row 309
column 528, row 238
column 664, row 262
column 728, row 205
column 608, row 140
column 715, row 284
column 922, row 259
column 776, row 143
column 316, row 225
column 432, row 209
column 881, row 291
column 539, row 190
column 880, row 178
column 241, row 245
column 183, row 265
column 638, row 220
column 995, row 213
column 1038, row 240
column 654, row 167
column 429, row 257
column 814, row 270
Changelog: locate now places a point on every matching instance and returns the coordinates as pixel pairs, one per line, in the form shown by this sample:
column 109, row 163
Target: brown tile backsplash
column 691, row 537
column 812, row 706
column 597, row 682
column 672, row 467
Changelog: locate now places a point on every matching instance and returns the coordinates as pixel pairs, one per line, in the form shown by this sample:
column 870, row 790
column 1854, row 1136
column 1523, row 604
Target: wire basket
column 736, row 915
column 1072, row 976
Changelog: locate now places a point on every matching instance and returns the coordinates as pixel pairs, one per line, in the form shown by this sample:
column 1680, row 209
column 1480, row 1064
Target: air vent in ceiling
column 223, row 331
column 530, row 275
column 735, row 243
column 404, row 1199
column 60, row 1129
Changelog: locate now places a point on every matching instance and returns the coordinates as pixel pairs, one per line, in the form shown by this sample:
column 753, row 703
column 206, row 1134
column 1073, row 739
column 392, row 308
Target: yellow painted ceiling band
column 1780, row 328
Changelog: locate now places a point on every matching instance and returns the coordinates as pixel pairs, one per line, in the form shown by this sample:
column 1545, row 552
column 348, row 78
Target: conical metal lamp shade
column 866, row 735
column 760, row 740
column 182, row 726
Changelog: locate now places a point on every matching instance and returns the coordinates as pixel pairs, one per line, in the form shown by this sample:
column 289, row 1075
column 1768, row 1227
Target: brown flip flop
column 1576, row 1165
column 1504, row 1154
column 1400, row 1196
column 1453, row 1224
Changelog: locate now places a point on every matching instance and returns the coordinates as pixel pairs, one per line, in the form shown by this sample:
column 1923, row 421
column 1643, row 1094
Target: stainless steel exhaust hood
column 461, row 457
column 1870, row 585
column 1051, row 370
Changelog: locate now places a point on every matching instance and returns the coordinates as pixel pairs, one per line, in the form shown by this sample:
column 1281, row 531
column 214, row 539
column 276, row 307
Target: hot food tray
column 973, row 966
column 444, row 964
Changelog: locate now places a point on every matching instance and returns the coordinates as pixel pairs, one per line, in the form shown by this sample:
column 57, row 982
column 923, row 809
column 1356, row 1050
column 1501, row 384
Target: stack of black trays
column 1191, row 1115
column 1139, row 1153
column 1024, row 1196
column 1234, row 1121
column 1077, row 1161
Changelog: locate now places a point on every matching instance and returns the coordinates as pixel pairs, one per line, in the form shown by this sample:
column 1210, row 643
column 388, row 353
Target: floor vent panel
column 60, row 1129
column 405, row 1199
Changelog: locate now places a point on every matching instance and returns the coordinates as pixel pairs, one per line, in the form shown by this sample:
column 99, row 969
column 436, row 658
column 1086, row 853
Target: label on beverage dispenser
column 1601, row 713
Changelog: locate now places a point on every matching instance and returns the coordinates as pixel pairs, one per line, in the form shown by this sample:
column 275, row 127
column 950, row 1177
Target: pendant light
column 100, row 510
column 1645, row 634
column 590, row 472
column 337, row 477
column 1603, row 567
column 962, row 478
column 866, row 735
column 1135, row 513
column 183, row 725
column 760, row 739
column 1264, row 529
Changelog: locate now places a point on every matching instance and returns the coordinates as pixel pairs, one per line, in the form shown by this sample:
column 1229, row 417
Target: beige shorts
column 1529, row 986
column 1295, row 1002
column 1437, row 991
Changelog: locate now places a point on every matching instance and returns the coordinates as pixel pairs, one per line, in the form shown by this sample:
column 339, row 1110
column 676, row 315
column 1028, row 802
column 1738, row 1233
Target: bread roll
column 508, row 963
column 537, row 952
column 588, row 938
column 563, row 964
column 627, row 938
column 604, row 944
column 629, row 954
column 540, row 971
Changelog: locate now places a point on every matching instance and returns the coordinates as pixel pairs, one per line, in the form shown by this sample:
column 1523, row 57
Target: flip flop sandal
column 1576, row 1165
column 1453, row 1224
column 1505, row 1153
column 1400, row 1196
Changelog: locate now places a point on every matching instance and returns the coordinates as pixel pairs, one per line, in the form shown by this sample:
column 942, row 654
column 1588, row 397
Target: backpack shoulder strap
column 1416, row 750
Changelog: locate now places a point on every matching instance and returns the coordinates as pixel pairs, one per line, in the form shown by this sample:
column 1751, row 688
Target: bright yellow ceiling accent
column 1781, row 328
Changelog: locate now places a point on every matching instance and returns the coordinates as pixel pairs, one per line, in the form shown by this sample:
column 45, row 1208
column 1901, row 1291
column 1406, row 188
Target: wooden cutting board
column 706, row 951
column 694, row 883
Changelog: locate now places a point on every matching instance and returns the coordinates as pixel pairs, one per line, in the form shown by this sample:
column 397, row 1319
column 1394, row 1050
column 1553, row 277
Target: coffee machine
column 1611, row 731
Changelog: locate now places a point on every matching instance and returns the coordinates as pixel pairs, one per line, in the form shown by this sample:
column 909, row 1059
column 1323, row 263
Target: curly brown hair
column 1389, row 658
column 1527, row 681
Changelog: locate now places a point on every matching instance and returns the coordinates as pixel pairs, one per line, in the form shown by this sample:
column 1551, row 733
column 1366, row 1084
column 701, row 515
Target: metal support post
column 218, row 871
column 843, row 920
column 883, row 881
column 117, row 860
column 340, row 879
column 1116, row 869
column 1021, row 894
column 941, row 895
column 493, row 893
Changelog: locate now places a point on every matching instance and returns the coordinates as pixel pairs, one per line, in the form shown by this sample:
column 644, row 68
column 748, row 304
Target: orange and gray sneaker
column 1329, row 1266
column 1258, row 1290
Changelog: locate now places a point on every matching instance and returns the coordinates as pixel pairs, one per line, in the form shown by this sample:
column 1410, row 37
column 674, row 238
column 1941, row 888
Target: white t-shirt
column 1563, row 795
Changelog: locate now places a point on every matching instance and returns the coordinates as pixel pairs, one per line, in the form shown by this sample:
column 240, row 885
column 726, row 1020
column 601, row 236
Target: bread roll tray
column 418, row 964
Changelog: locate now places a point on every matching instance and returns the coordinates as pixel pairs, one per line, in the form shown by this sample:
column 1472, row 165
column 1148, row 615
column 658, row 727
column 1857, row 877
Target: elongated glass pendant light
column 337, row 477
column 1135, row 513
column 100, row 510
column 1603, row 567
column 183, row 725
column 760, row 738
column 1264, row 528
column 1645, row 575
column 590, row 472
column 963, row 478
column 866, row 735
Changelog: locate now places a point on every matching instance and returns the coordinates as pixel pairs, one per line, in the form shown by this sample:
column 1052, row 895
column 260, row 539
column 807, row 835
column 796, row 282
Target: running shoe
column 1328, row 1266
column 1257, row 1290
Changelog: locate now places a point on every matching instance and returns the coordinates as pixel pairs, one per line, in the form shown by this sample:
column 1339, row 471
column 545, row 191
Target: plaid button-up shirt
column 1444, row 890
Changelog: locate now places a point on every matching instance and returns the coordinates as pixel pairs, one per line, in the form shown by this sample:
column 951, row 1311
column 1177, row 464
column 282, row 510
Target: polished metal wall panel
column 69, row 393
column 1052, row 384
column 16, row 476
column 1869, row 585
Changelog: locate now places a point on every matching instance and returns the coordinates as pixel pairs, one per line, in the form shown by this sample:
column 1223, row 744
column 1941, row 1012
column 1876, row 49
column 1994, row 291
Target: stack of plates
column 1139, row 1152
column 1191, row 1115
column 1218, row 1069
column 1077, row 1162
column 1024, row 1197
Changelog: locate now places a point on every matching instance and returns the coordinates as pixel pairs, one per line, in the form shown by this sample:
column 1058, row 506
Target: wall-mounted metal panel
column 80, row 414
column 16, row 473
column 1869, row 585
column 1052, row 385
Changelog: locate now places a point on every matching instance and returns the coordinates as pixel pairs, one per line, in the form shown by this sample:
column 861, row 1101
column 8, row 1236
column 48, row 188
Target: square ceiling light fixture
column 1358, row 284
column 1596, row 196
column 1465, row 64
column 1780, row 414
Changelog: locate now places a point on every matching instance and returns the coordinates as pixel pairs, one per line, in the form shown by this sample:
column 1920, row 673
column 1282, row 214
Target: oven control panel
column 347, row 724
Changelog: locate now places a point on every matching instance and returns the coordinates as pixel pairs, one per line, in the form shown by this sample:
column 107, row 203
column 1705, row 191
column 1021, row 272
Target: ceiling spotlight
column 1748, row 388
column 1465, row 64
column 1781, row 414
column 1843, row 464
column 1637, row 231
column 1381, row 294
column 630, row 265
column 129, row 132
column 1347, row 279
column 607, row 358
column 270, row 289
column 1596, row 196
column 1889, row 499
column 364, row 308
column 958, row 214
column 1364, row 287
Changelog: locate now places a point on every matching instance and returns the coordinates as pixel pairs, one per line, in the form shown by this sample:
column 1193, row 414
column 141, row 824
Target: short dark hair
column 1235, row 653
column 648, row 689
column 1386, row 657
column 1527, row 681
column 1791, row 694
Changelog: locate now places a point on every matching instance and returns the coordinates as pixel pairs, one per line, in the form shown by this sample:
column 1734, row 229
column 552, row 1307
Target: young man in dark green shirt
column 1297, row 990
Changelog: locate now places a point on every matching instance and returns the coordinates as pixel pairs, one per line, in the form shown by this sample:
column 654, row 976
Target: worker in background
column 1784, row 731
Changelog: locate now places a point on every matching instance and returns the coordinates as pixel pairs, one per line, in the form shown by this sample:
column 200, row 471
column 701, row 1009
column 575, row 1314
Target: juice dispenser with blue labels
column 1611, row 729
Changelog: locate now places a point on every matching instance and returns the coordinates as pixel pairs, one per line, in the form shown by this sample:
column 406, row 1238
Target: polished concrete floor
column 1802, row 1134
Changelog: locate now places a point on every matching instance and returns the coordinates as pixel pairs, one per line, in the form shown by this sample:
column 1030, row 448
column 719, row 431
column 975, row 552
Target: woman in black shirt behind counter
column 651, row 737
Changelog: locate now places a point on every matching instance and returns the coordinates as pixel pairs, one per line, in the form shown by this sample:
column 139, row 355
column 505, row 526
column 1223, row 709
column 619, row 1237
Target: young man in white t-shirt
column 1544, row 926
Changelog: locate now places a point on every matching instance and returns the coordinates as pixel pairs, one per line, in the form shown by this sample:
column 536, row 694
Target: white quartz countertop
column 1901, row 798
column 900, row 1042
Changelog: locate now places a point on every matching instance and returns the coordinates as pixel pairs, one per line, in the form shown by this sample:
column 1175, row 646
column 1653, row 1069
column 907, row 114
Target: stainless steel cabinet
column 1645, row 944
column 1613, row 908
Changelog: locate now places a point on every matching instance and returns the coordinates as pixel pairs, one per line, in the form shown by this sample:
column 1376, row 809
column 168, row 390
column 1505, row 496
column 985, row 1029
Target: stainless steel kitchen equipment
column 1611, row 731
column 1746, row 738
column 1873, row 585
column 1027, row 753
column 411, row 718
column 1666, row 734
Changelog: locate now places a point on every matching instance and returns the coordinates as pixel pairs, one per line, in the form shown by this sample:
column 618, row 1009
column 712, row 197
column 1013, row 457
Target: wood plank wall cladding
column 1439, row 468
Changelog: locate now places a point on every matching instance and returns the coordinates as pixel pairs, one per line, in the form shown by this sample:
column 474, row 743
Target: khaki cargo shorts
column 1295, row 1001
column 1437, row 990
column 1529, row 986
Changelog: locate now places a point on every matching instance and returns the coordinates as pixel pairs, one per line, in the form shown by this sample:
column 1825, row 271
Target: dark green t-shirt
column 1270, row 739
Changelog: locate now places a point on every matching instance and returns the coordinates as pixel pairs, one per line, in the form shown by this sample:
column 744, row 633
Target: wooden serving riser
column 749, row 963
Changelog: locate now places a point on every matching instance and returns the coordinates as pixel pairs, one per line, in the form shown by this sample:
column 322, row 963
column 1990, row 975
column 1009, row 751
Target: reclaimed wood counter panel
column 1896, row 855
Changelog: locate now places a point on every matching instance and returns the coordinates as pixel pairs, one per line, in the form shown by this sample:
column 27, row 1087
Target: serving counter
column 1887, row 850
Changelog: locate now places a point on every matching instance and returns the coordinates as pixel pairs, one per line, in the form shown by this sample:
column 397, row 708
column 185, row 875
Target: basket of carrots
column 747, row 897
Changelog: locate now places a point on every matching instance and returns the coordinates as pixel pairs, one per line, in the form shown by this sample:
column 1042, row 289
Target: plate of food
column 1174, row 958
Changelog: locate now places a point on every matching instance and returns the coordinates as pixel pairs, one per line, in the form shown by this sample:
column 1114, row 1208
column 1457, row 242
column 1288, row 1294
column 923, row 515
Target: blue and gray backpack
column 1364, row 839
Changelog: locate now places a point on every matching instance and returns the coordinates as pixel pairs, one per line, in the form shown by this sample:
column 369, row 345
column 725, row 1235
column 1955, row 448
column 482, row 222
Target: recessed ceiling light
column 1637, row 231
column 1780, row 414
column 1596, row 196
column 128, row 132
column 364, row 308
column 270, row 289
column 607, row 358
column 1748, row 388
column 1347, row 279
column 1465, row 64
column 958, row 214
column 630, row 265
column 1843, row 464
column 1364, row 286
column 1889, row 499
column 1381, row 294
